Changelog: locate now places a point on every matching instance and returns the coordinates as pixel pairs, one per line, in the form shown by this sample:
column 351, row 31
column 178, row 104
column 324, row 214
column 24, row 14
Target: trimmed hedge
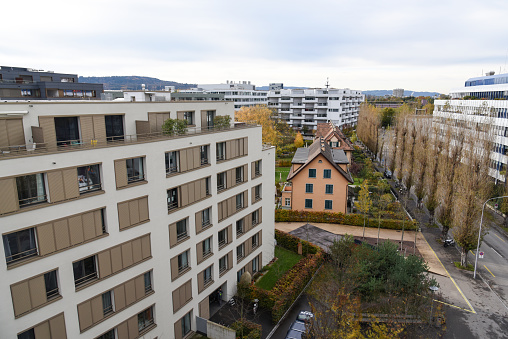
column 339, row 218
column 250, row 330
column 290, row 242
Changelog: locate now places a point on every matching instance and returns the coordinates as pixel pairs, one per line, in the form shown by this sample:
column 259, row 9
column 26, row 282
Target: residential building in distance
column 303, row 109
column 112, row 229
column 493, row 110
column 17, row 83
column 398, row 92
column 335, row 138
column 318, row 179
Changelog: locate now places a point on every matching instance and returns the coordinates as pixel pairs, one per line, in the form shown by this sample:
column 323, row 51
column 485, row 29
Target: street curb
column 496, row 226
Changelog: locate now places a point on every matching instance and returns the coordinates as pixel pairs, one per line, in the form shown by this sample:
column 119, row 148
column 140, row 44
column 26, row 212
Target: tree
column 387, row 115
column 299, row 140
column 222, row 121
column 432, row 181
column 422, row 155
column 261, row 115
column 174, row 126
column 411, row 159
column 364, row 202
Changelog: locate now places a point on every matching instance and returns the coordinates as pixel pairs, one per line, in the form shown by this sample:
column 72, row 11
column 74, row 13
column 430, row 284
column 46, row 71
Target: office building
column 398, row 92
column 113, row 229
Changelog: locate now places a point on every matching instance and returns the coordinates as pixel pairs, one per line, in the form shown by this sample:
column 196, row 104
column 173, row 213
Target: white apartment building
column 111, row 229
column 467, row 113
column 303, row 109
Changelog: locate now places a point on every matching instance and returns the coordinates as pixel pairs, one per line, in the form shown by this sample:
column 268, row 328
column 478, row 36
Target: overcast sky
column 364, row 44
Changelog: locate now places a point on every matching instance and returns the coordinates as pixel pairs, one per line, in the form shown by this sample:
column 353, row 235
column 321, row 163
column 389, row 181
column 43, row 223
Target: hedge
column 290, row 242
column 339, row 218
column 250, row 330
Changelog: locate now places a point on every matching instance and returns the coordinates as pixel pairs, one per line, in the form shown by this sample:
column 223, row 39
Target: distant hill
column 383, row 92
column 133, row 82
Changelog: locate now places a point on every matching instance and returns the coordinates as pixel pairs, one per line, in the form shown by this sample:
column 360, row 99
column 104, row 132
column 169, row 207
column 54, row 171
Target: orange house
column 318, row 179
column 332, row 135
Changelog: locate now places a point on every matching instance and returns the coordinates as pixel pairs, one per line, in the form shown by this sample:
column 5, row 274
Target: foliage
column 222, row 121
column 285, row 260
column 387, row 115
column 246, row 329
column 469, row 267
column 174, row 126
column 298, row 140
column 290, row 242
column 264, row 116
column 364, row 201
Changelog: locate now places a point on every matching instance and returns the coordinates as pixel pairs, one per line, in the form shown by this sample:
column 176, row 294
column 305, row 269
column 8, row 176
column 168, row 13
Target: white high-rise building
column 112, row 229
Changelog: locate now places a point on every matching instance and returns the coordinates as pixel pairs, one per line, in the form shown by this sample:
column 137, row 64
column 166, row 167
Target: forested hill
column 133, row 82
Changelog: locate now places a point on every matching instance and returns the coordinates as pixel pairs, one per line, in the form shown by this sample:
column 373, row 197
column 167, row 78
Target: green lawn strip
column 286, row 260
column 357, row 181
column 281, row 170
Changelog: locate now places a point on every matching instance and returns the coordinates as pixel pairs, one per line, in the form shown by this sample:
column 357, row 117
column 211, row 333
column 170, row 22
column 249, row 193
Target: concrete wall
column 216, row 331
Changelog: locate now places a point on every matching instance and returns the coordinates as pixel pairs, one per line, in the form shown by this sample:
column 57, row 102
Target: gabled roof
column 305, row 156
column 327, row 130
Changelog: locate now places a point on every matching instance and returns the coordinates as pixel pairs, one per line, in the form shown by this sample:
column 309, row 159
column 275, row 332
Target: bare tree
column 411, row 156
column 431, row 183
column 421, row 158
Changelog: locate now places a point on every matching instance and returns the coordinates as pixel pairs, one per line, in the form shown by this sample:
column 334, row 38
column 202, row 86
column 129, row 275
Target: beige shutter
column 120, row 173
column 56, row 186
column 104, row 259
column 48, row 127
column 70, row 181
column 204, row 308
column 190, row 158
column 122, row 331
column 184, row 191
column 229, row 178
column 183, row 161
column 119, row 293
column 132, row 325
column 199, row 221
column 85, row 315
column 248, row 247
column 88, row 220
column 252, row 169
column 127, row 254
column 142, row 127
column 248, row 222
column 9, row 196
column 152, row 120
column 116, row 259
column 191, row 192
column 99, row 127
column 245, row 173
column 219, row 211
column 201, row 281
column 4, row 138
column 37, row 135
column 174, row 267
column 137, row 254
column 21, row 298
column 143, row 209
column 57, row 325
column 200, row 189
column 230, row 234
column 197, row 157
column 139, row 283
column 260, row 215
column 98, row 222
column 176, row 299
column 46, row 239
column 248, row 267
column 188, row 290
column 97, row 309
column 231, row 206
column 225, row 208
column 134, row 212
column 130, row 292
column 199, row 252
column 123, row 215
column 253, row 194
column 245, row 198
column 229, row 148
column 86, row 124
column 245, row 146
column 42, row 331
column 37, row 291
column 145, row 246
column 260, row 240
column 203, row 120
column 62, row 237
column 172, row 235
column 179, row 115
column 230, row 260
column 76, row 230
column 15, row 132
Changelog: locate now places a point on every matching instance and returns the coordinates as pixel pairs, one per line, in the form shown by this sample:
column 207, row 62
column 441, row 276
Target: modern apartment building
column 111, row 229
column 467, row 113
column 303, row 109
column 17, row 83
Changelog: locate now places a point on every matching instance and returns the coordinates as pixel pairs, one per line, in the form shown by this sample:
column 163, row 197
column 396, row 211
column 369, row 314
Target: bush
column 222, row 121
column 174, row 126
column 250, row 330
column 290, row 242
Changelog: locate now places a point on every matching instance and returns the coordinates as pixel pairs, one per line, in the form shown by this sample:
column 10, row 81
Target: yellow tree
column 364, row 202
column 299, row 140
column 261, row 115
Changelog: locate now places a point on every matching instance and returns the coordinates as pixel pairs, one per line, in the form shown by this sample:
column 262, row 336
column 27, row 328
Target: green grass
column 469, row 267
column 281, row 174
column 286, row 260
column 358, row 181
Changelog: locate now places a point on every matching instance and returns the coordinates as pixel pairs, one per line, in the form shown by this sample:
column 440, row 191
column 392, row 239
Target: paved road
column 302, row 304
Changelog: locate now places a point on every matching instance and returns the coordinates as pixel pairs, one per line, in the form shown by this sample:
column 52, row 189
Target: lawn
column 286, row 260
column 281, row 174
column 358, row 181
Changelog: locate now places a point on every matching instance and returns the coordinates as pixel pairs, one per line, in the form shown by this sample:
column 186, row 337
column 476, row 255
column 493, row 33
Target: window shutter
column 9, row 197
column 120, row 173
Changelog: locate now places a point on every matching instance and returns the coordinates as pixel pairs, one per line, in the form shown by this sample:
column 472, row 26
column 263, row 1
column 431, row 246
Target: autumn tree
column 411, row 156
column 298, row 140
column 431, row 182
column 261, row 115
column 364, row 202
column 421, row 158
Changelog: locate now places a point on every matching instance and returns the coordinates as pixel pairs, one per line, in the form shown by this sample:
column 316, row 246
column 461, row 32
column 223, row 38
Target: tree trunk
column 463, row 257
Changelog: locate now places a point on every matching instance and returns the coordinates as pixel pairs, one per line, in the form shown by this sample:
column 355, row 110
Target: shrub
column 249, row 329
column 174, row 126
column 290, row 242
column 222, row 121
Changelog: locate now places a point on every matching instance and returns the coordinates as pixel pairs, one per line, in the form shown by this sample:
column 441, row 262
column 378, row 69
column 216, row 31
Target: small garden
column 286, row 259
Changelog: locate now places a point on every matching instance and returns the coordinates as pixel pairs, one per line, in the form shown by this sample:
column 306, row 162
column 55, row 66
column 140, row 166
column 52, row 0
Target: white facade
column 154, row 186
column 306, row 107
column 398, row 92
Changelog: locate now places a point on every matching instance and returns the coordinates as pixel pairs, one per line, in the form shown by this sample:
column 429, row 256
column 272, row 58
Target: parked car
column 388, row 174
column 299, row 326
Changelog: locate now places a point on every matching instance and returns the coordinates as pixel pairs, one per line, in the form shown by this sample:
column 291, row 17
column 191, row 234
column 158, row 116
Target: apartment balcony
column 322, row 104
column 310, row 100
column 297, row 105
column 309, row 110
column 296, row 117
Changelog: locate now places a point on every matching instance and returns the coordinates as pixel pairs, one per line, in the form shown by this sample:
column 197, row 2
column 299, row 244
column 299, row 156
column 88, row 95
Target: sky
column 364, row 44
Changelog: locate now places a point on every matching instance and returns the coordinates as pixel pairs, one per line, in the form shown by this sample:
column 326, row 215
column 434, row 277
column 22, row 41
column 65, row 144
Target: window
column 255, row 265
column 221, row 181
column 186, row 324
column 257, row 192
column 312, row 172
column 308, row 203
column 84, row 271
column 51, row 285
column 67, row 130
column 239, row 274
column 287, row 202
column 327, row 173
column 31, row 189
column 240, row 251
column 207, row 246
column 205, row 218
column 108, row 335
column 223, row 264
column 148, row 282
column 255, row 218
column 181, row 229
column 30, row 334
column 135, row 171
column 172, row 199
column 239, row 201
column 221, row 150
column 183, row 261
column 255, row 240
column 19, row 245
column 309, row 188
column 172, row 165
column 207, row 275
column 239, row 174
column 204, row 154
column 239, row 227
column 107, row 304
column 257, row 168
column 328, row 204
column 223, row 237
column 145, row 319
column 329, row 189
column 189, row 116
column 89, row 178
column 114, row 127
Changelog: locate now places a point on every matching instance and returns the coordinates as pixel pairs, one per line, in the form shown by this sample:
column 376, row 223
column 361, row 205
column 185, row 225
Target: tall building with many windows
column 112, row 229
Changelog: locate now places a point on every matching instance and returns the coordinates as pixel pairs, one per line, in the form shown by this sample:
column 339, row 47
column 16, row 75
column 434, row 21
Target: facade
column 111, row 229
column 303, row 109
column 318, row 179
column 398, row 92
column 332, row 135
column 18, row 83
column 489, row 87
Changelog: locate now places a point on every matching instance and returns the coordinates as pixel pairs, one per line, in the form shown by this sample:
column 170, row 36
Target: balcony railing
column 21, row 255
column 85, row 279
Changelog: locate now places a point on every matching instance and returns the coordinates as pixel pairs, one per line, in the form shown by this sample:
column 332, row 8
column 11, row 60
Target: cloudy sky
column 364, row 44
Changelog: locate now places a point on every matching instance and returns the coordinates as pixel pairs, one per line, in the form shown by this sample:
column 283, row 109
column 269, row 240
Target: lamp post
column 480, row 233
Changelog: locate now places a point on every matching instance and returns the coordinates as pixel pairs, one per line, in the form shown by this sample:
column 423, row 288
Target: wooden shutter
column 143, row 209
column 122, row 330
column 97, row 309
column 203, row 188
column 137, row 253
column 21, row 298
column 228, row 150
column 119, row 293
column 76, row 230
column 229, row 178
column 245, row 198
column 9, row 197
column 230, row 260
column 104, row 259
column 57, row 325
column 247, row 220
column 130, row 292
column 139, row 283
column 253, row 194
column 203, row 120
column 245, row 173
column 85, row 315
column 199, row 252
column 252, row 169
column 145, row 246
column 192, row 192
column 37, row 291
column 190, row 159
column 37, row 135
column 245, row 146
column 201, row 281
column 183, row 161
column 98, row 222
column 56, row 186
column 184, row 192
column 174, row 267
column 48, row 127
column 70, row 181
column 248, row 247
column 127, row 254
column 142, row 127
column 260, row 214
column 88, row 220
column 196, row 151
column 204, row 311
column 15, row 133
column 86, row 124
column 199, row 221
column 62, row 236
column 172, row 235
column 123, row 215
column 4, row 138
column 260, row 240
column 99, row 127
column 230, row 234
column 176, row 299
column 219, row 211
column 179, row 115
column 134, row 212
column 116, row 259
column 120, row 173
column 46, row 239
column 225, row 208
column 132, row 325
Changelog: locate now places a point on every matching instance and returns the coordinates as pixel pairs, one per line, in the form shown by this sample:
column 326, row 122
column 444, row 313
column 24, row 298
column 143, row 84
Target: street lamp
column 480, row 233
